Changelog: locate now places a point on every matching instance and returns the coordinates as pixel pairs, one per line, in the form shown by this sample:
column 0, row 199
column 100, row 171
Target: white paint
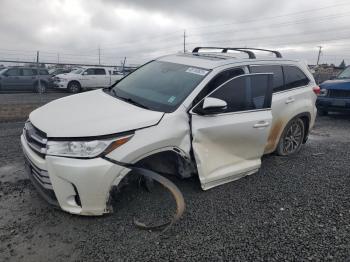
column 91, row 113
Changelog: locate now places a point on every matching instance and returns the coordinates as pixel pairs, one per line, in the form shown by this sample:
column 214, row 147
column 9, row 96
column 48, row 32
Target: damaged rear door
column 230, row 128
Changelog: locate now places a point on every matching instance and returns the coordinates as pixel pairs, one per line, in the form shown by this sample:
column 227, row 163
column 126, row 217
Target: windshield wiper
column 129, row 100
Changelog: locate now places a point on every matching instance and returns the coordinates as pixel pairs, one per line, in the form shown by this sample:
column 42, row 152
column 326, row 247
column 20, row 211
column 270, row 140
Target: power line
column 272, row 36
column 276, row 25
column 274, row 17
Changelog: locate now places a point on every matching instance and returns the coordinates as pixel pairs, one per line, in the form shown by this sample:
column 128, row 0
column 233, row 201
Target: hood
column 93, row 113
column 340, row 84
column 67, row 75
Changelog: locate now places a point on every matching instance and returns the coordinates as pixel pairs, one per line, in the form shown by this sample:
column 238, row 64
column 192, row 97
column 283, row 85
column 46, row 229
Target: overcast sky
column 73, row 30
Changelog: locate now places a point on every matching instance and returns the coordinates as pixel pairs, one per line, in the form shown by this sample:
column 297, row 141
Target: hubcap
column 293, row 138
column 74, row 88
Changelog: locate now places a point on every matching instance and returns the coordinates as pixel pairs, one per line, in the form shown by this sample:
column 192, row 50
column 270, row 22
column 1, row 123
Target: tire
column 322, row 112
column 291, row 138
column 40, row 88
column 74, row 87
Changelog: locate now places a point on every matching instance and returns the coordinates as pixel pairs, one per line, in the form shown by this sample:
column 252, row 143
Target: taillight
column 317, row 90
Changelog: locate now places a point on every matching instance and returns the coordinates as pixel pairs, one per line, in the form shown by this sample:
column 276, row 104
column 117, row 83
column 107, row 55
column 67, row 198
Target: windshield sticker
column 197, row 71
column 171, row 99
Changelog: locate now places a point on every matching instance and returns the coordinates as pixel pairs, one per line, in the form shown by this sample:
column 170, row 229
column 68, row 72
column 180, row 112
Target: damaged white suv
column 204, row 113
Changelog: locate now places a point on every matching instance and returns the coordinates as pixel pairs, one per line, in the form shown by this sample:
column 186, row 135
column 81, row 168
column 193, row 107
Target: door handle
column 261, row 124
column 290, row 100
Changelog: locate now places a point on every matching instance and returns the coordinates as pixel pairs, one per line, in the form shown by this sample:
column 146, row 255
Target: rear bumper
column 333, row 104
column 78, row 186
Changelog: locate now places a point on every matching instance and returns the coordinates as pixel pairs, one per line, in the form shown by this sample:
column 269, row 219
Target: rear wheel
column 74, row 87
column 40, row 87
column 292, row 138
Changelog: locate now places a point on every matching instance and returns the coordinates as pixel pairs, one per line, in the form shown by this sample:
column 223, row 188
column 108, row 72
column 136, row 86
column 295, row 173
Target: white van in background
column 87, row 78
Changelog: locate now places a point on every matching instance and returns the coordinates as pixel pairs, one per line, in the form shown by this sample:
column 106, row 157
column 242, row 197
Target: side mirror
column 211, row 106
column 85, row 73
column 211, row 102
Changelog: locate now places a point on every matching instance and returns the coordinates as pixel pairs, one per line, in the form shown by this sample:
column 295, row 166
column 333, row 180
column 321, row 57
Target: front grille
column 339, row 93
column 41, row 181
column 36, row 139
column 41, row 176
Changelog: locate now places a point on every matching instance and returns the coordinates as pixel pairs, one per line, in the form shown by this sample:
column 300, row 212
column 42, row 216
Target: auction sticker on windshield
column 197, row 71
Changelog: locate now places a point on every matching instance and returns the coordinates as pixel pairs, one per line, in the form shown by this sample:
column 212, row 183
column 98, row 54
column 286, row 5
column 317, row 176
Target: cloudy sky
column 74, row 30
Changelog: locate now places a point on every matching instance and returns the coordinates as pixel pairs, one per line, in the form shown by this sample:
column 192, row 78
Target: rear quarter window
column 278, row 82
column 294, row 77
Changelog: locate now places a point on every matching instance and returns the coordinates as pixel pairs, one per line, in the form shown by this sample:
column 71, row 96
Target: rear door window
column 27, row 72
column 278, row 81
column 294, row 77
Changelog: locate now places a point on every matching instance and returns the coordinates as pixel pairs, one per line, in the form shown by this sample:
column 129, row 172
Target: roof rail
column 240, row 49
column 278, row 54
column 225, row 49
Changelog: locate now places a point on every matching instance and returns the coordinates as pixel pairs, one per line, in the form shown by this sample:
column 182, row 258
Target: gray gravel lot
column 30, row 98
column 296, row 208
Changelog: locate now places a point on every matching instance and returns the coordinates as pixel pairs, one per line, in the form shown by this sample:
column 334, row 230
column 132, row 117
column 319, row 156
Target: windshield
column 77, row 71
column 344, row 74
column 159, row 86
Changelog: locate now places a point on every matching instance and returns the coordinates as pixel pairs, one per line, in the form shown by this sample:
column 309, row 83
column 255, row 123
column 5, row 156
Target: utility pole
column 184, row 41
column 37, row 72
column 124, row 63
column 319, row 54
column 99, row 55
column 58, row 58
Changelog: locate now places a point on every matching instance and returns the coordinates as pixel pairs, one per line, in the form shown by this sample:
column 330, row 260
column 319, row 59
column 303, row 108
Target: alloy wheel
column 293, row 137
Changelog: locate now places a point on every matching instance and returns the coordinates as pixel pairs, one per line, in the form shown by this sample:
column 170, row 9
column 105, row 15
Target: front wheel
column 74, row 87
column 291, row 138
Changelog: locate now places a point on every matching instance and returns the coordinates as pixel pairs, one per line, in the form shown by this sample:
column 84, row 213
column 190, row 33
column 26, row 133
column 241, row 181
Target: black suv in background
column 24, row 79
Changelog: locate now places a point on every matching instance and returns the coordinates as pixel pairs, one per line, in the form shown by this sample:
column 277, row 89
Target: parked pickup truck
column 335, row 94
column 86, row 78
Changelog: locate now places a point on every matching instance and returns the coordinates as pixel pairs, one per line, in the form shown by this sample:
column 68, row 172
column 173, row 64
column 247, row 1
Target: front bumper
column 60, row 84
column 78, row 186
column 333, row 104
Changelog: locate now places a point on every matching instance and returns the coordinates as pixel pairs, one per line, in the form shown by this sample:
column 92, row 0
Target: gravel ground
column 296, row 208
column 29, row 98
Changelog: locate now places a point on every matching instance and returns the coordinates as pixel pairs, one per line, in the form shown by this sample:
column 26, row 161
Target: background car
column 335, row 94
column 24, row 79
column 57, row 71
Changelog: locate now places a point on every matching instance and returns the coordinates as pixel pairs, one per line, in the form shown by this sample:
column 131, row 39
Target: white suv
column 201, row 113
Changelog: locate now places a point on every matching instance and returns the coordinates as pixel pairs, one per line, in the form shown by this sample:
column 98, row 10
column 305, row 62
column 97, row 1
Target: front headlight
column 323, row 92
column 84, row 149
